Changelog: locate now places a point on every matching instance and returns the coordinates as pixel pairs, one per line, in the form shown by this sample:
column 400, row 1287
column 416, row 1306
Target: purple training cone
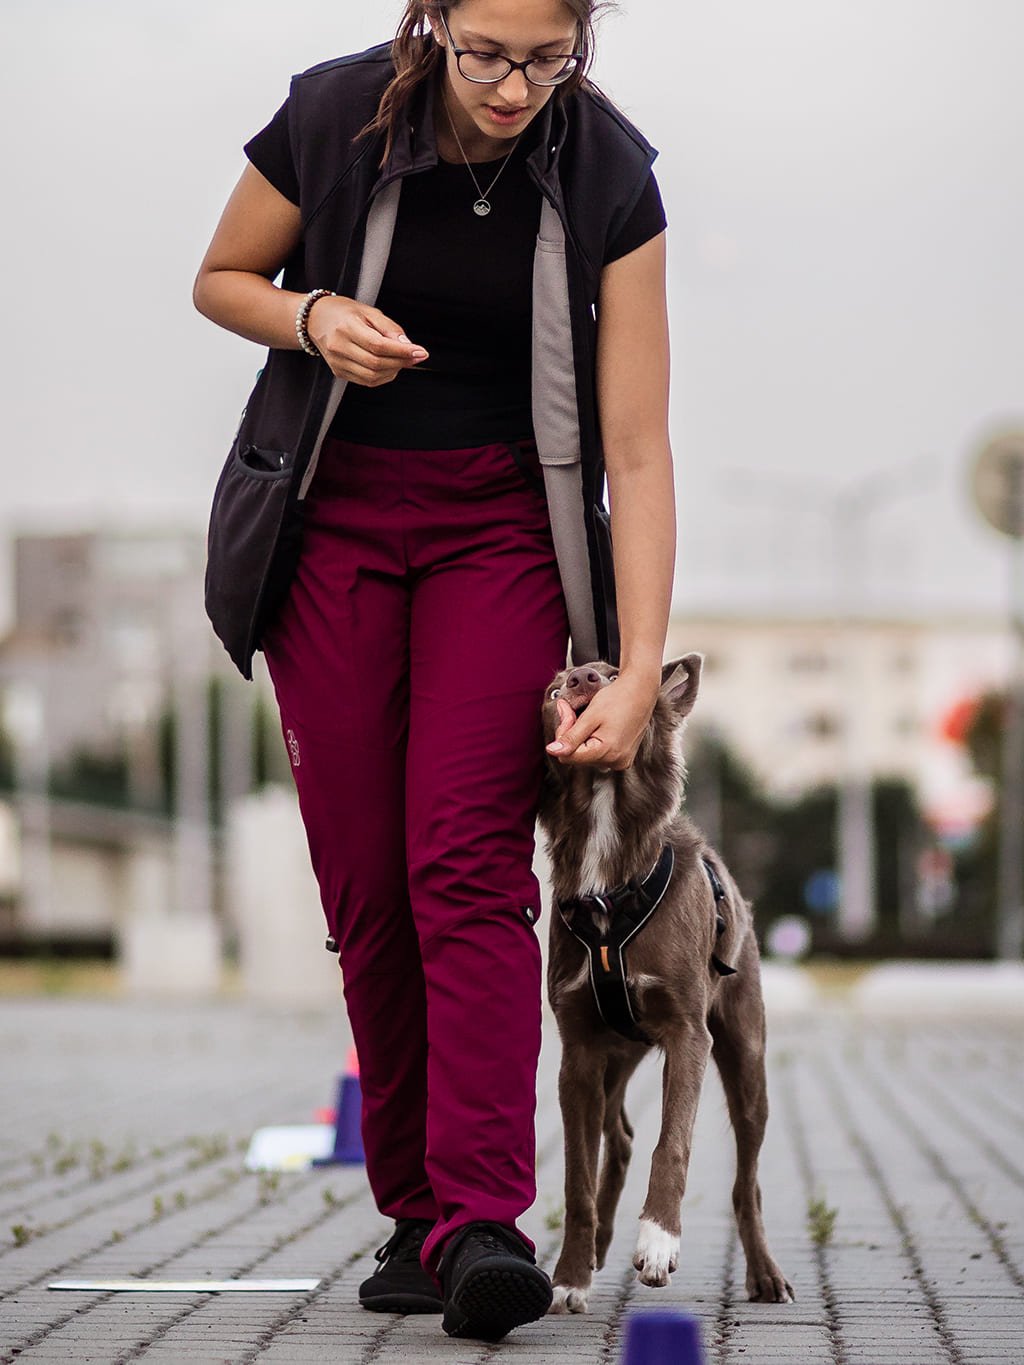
column 665, row 1336
column 348, row 1141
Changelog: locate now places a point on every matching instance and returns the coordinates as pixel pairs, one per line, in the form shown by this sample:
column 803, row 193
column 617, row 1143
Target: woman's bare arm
column 632, row 394
column 633, row 389
column 258, row 230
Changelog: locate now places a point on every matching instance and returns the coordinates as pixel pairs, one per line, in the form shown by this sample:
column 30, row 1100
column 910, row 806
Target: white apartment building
column 781, row 689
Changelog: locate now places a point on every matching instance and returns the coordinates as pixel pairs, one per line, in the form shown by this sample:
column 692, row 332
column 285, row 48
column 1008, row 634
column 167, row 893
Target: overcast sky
column 845, row 192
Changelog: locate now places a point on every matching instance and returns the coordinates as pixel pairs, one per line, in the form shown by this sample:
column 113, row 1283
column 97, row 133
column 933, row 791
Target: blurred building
column 96, row 623
column 109, row 638
column 775, row 688
column 110, row 631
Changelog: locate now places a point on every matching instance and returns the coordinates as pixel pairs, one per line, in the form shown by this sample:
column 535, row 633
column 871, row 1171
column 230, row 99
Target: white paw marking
column 569, row 1300
column 657, row 1252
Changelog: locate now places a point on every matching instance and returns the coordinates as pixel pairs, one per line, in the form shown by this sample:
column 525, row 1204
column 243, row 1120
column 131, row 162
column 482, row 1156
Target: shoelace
column 404, row 1243
column 493, row 1242
column 498, row 1240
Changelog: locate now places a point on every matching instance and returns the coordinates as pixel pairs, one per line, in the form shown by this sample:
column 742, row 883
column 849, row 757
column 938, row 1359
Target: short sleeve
column 646, row 221
column 270, row 151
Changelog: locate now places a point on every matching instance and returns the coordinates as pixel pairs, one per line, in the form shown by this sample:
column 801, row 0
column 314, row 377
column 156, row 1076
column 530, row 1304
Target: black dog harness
column 628, row 908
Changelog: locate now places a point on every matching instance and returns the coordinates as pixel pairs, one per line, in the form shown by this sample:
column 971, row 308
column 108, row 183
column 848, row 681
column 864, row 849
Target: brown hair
column 416, row 55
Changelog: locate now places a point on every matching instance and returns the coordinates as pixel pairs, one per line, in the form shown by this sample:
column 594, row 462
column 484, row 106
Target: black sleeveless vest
column 590, row 165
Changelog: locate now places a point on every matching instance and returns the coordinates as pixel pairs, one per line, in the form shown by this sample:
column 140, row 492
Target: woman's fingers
column 361, row 344
column 376, row 343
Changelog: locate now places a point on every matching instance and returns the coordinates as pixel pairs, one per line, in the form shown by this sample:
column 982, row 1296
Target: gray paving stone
column 910, row 1130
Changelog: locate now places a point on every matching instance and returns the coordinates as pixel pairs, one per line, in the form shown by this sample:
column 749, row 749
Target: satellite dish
column 997, row 481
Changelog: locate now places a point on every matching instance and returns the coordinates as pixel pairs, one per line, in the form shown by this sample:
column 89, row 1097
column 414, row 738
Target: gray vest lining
column 380, row 229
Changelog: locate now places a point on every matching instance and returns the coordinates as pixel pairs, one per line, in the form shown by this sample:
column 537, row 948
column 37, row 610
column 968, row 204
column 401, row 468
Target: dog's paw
column 568, row 1299
column 657, row 1253
column 767, row 1284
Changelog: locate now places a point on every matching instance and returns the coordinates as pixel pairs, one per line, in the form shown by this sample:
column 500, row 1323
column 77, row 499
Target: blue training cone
column 663, row 1336
column 348, row 1140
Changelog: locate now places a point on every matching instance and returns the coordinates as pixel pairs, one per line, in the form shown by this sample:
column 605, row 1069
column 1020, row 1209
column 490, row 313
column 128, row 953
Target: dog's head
column 576, row 688
column 648, row 793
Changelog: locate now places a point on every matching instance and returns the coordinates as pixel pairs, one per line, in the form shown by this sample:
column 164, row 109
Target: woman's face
column 514, row 28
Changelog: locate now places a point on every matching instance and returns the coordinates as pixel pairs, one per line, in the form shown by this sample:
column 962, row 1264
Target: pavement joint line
column 801, row 1148
column 982, row 1093
column 231, row 1177
column 908, row 1244
column 322, row 1216
column 948, row 1176
column 81, row 1309
column 150, row 1183
column 246, row 1268
column 295, row 1310
column 723, row 1314
column 623, row 1295
column 89, row 1176
column 386, row 1331
column 977, row 1135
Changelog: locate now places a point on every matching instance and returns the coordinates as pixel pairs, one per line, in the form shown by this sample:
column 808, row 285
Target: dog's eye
column 555, row 692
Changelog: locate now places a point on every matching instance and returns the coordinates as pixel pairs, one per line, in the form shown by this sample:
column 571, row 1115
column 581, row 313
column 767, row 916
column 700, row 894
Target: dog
column 687, row 981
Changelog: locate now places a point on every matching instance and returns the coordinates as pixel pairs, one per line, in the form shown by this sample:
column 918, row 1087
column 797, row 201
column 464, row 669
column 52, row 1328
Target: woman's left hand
column 607, row 733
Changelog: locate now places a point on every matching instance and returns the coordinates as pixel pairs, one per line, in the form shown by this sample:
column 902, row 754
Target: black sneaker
column 491, row 1281
column 400, row 1284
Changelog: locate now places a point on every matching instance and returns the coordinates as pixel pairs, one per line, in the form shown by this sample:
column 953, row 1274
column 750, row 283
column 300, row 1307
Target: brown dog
column 688, row 983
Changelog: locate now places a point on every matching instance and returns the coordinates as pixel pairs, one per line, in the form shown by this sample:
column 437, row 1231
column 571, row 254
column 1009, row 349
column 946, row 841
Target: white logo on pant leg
column 293, row 747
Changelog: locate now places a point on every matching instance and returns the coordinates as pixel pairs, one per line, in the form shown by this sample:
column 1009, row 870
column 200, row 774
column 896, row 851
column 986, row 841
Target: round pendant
column 481, row 208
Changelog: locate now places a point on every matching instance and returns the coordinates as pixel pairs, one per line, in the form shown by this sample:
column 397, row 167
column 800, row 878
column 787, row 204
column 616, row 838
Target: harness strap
column 719, row 893
column 628, row 908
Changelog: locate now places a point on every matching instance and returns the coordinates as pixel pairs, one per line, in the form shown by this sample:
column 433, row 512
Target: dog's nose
column 590, row 676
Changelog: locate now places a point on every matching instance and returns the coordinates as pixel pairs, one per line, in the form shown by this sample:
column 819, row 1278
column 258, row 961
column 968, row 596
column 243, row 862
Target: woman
column 440, row 440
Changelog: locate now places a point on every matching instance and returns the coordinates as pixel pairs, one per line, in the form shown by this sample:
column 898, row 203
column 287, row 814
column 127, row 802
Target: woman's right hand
column 257, row 235
column 360, row 343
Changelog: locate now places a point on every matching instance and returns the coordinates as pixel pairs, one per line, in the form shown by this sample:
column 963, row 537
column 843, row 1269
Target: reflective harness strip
column 628, row 908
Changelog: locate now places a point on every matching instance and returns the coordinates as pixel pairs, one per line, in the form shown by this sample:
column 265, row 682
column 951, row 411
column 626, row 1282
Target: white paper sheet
column 189, row 1286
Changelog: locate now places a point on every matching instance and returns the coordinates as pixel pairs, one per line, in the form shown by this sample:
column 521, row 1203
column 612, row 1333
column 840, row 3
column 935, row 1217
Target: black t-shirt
column 459, row 285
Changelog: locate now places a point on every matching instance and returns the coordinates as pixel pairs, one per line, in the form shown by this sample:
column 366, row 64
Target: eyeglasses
column 488, row 68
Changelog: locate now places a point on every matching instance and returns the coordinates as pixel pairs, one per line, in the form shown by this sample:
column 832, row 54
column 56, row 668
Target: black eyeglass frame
column 460, row 52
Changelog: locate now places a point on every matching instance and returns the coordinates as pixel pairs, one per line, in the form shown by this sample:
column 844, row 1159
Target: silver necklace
column 482, row 205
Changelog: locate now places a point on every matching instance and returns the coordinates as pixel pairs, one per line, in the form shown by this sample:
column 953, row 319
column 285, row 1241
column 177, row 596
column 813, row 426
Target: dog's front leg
column 581, row 1096
column 686, row 1055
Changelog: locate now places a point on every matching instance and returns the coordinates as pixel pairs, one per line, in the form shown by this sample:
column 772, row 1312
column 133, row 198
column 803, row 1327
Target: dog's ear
column 680, row 679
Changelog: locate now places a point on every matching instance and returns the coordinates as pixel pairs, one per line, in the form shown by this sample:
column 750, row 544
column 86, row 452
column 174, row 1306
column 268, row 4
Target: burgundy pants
column 409, row 660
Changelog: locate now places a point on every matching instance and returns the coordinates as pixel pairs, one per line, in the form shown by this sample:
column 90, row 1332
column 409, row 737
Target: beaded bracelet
column 302, row 319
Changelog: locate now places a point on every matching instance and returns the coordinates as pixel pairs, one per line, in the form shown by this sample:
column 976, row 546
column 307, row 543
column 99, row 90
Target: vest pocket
column 263, row 463
column 245, row 525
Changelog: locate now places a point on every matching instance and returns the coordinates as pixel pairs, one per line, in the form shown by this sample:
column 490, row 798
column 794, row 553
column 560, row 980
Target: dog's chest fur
column 602, row 837
column 606, row 825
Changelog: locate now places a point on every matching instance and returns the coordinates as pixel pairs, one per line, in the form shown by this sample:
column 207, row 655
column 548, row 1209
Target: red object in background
column 351, row 1069
column 958, row 720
